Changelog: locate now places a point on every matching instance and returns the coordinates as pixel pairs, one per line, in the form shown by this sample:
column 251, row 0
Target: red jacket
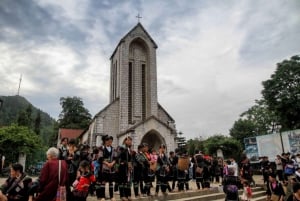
column 84, row 182
column 49, row 180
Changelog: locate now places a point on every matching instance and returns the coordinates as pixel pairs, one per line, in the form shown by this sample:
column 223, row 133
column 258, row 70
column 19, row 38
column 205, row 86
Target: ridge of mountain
column 13, row 105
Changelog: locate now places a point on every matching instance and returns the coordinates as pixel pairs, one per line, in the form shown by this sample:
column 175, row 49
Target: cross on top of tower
column 138, row 17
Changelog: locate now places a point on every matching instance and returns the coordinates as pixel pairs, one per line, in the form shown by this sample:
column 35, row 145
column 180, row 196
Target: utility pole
column 19, row 85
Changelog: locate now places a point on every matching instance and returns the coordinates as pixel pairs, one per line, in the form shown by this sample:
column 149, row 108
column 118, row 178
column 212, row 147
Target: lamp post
column 180, row 140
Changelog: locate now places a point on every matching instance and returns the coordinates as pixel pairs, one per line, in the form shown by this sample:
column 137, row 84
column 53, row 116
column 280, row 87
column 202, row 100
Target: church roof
column 142, row 122
column 161, row 107
column 132, row 30
column 104, row 109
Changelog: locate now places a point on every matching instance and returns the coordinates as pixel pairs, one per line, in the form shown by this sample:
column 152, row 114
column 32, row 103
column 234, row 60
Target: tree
column 282, row 93
column 193, row 145
column 52, row 140
column 24, row 117
column 243, row 128
column 264, row 119
column 37, row 123
column 74, row 114
column 15, row 108
column 16, row 139
column 229, row 146
column 257, row 120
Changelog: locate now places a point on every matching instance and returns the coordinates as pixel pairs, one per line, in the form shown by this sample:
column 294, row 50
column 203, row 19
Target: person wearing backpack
column 199, row 167
column 231, row 186
column 289, row 169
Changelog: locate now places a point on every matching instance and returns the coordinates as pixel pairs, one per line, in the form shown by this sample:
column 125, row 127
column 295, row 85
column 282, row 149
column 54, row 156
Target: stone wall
column 162, row 130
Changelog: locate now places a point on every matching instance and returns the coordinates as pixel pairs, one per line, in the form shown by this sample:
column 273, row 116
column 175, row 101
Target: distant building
column 68, row 133
column 133, row 109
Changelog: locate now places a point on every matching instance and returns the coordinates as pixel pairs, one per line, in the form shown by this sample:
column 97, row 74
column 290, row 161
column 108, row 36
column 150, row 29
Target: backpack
column 232, row 189
column 97, row 166
column 289, row 169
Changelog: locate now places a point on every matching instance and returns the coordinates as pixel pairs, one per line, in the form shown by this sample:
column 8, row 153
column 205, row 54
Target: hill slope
column 13, row 105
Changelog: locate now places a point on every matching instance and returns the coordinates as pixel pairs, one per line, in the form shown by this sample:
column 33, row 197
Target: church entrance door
column 153, row 139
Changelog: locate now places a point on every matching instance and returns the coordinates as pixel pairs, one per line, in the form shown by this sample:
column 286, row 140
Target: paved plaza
column 192, row 184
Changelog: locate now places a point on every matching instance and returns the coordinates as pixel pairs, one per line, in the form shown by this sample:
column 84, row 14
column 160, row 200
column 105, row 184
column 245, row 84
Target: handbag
column 199, row 170
column 274, row 197
column 81, row 194
column 61, row 194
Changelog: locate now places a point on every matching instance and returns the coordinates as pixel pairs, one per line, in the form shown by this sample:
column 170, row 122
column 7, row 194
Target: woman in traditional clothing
column 17, row 185
column 173, row 160
column 125, row 169
column 73, row 160
column 199, row 164
column 138, row 166
column 107, row 160
column 148, row 174
column 163, row 171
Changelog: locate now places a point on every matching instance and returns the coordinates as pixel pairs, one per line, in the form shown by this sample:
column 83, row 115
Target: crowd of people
column 282, row 178
column 123, row 170
column 84, row 172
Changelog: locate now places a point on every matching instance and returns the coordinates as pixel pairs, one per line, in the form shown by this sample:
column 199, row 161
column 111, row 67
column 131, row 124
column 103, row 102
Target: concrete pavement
column 193, row 189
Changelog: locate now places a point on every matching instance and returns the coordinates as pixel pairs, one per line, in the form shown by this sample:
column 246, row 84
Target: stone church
column 133, row 108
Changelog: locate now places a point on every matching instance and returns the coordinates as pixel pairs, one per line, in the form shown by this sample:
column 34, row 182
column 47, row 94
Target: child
column 81, row 185
column 247, row 192
column 153, row 156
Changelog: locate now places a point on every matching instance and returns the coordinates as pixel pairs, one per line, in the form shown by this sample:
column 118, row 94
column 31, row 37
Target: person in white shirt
column 279, row 167
column 234, row 166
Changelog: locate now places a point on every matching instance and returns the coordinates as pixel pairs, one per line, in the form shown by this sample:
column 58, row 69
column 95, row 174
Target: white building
column 133, row 109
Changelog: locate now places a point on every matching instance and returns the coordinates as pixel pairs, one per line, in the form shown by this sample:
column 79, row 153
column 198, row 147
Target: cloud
column 211, row 59
column 276, row 33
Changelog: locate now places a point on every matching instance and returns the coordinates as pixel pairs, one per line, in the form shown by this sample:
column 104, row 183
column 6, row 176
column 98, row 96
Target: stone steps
column 211, row 195
column 187, row 194
column 256, row 196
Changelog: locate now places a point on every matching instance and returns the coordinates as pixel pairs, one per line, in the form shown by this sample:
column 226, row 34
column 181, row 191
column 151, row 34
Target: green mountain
column 14, row 106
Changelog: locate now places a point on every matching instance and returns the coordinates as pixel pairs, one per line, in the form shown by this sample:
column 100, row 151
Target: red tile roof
column 69, row 133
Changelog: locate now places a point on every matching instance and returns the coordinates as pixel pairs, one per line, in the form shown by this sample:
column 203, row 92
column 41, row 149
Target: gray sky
column 211, row 59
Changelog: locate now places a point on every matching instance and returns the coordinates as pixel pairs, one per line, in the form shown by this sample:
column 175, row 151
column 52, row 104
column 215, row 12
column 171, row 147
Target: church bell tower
column 133, row 109
column 133, row 77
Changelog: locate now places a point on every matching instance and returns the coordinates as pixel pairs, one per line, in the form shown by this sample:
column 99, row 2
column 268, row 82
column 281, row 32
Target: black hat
column 72, row 141
column 110, row 138
column 273, row 175
column 107, row 137
column 85, row 146
column 145, row 144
